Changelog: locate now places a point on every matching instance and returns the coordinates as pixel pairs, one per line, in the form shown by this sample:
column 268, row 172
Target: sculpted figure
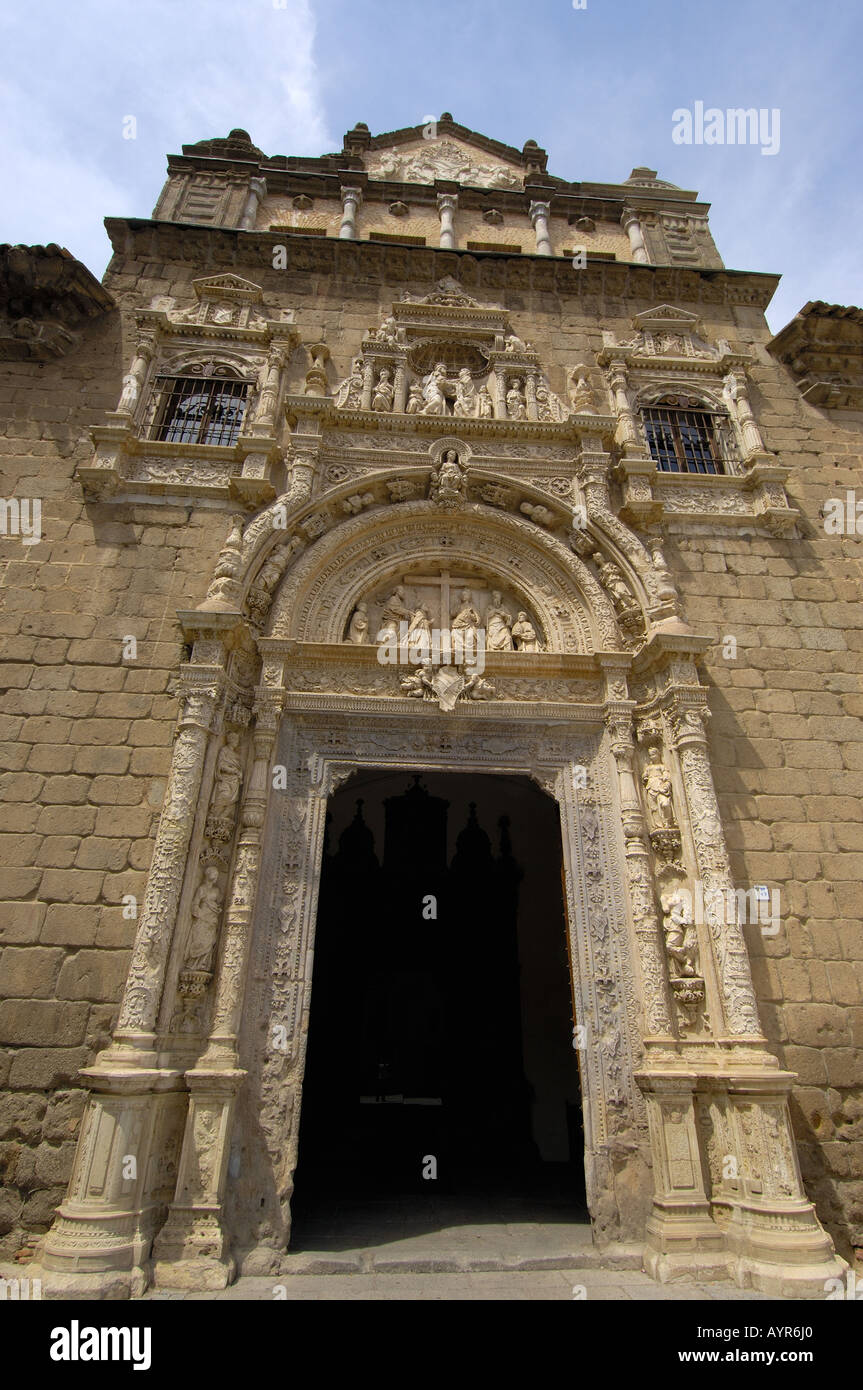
column 498, row 623
column 419, row 684
column 358, row 629
column 659, row 791
column 465, row 394
column 433, row 393
column 206, row 909
column 394, row 612
column 447, row 480
column 229, row 775
column 382, row 398
column 516, row 406
column 681, row 939
column 612, row 580
column 485, row 405
column 466, row 620
column 514, row 343
column 415, row 399
column 524, row 635
column 548, row 407
column 419, row 630
column 350, row 392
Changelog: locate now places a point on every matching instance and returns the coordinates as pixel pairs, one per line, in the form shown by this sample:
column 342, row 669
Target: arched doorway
column 441, row 1086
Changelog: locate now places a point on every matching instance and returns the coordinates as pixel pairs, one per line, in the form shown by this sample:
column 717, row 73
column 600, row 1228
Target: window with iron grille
column 198, row 409
column 684, row 437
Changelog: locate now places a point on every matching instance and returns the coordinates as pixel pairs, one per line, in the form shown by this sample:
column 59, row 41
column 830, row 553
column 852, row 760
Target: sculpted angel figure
column 394, row 612
column 382, row 398
column 659, row 791
column 419, row 684
column 465, row 394
column 229, row 775
column 524, row 635
column 358, row 629
column 498, row 623
column 485, row 405
column 206, row 909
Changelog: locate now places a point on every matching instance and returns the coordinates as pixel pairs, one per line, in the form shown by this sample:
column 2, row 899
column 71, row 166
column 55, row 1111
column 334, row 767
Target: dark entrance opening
column 440, row 1062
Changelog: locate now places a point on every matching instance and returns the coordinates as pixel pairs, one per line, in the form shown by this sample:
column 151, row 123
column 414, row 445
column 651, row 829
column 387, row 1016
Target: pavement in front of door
column 444, row 1250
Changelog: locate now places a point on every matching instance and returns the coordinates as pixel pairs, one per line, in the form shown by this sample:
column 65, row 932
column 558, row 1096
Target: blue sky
column 595, row 86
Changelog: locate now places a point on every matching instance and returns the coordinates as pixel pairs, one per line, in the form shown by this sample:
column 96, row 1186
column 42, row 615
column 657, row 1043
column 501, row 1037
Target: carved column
column 257, row 191
column 729, row 948
column 352, row 199
column 265, row 415
column 632, row 226
column 192, row 1249
column 447, row 204
column 627, row 428
column 133, row 381
column 500, row 391
column 530, row 396
column 539, row 214
column 106, row 1222
column 134, row 1034
column 648, row 931
column 400, row 389
column 368, row 385
column 737, row 389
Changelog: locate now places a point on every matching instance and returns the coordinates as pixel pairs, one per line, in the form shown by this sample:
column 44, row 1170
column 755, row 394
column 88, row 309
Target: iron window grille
column 198, row 409
column 684, row 437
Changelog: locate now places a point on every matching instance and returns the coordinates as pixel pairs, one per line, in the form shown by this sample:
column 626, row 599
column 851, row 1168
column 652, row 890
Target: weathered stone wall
column 86, row 735
column 85, row 746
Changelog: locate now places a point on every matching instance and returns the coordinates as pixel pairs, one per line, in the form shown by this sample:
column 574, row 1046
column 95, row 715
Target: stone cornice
column 822, row 347
column 221, row 247
column 45, row 294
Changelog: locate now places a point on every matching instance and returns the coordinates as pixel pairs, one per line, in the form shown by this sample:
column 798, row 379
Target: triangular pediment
column 228, row 287
column 423, row 159
column 666, row 317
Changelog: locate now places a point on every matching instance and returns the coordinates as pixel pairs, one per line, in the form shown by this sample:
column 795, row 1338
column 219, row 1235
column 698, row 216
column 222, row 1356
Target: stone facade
column 157, row 870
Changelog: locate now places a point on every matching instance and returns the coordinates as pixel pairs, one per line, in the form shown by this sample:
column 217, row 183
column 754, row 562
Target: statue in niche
column 433, row 391
column 419, row 630
column 484, row 404
column 358, row 628
column 394, row 612
column 229, row 775
column 613, row 581
column 659, row 791
column 415, row 399
column 466, row 621
column 382, row 398
column 206, row 910
column 581, row 394
column 498, row 625
column 448, row 479
column 465, row 394
column 681, row 939
column 350, row 392
column 516, row 406
column 524, row 635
